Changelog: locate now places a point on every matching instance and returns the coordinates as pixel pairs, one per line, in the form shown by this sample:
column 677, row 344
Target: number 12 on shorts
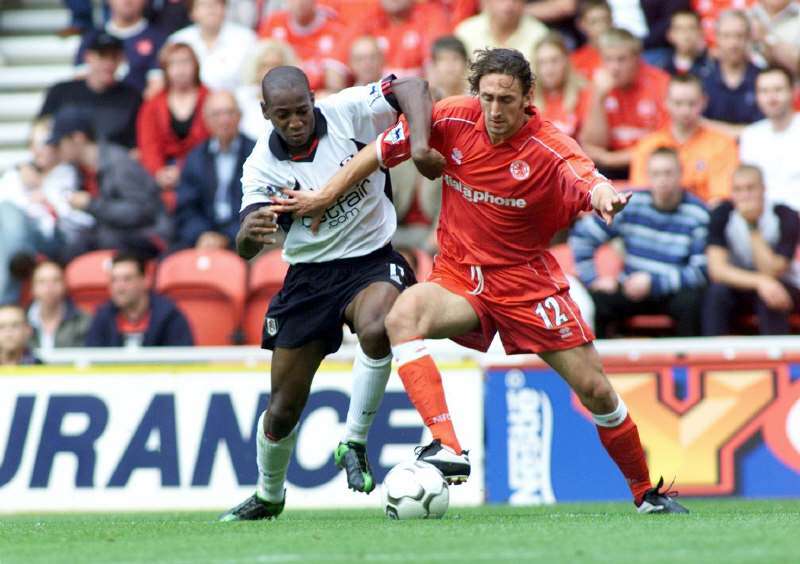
column 550, row 304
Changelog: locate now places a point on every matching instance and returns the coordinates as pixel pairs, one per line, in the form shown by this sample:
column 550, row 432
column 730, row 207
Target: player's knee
column 282, row 416
column 372, row 338
column 402, row 322
column 597, row 393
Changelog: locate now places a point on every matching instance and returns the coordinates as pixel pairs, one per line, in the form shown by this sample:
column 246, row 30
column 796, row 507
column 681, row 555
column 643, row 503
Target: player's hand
column 774, row 294
column 303, row 203
column 429, row 162
column 608, row 202
column 260, row 226
column 636, row 287
column 605, row 285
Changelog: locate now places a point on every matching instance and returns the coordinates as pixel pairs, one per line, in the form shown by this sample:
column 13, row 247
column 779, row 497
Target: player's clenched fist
column 429, row 162
column 260, row 226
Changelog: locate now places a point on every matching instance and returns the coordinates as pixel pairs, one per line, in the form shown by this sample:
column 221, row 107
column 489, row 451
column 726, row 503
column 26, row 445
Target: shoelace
column 361, row 456
column 668, row 492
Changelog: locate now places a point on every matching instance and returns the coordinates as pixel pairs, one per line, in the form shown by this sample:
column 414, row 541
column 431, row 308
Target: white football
column 415, row 490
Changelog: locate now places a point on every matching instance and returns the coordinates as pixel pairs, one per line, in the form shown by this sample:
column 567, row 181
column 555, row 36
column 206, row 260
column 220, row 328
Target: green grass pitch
column 724, row 531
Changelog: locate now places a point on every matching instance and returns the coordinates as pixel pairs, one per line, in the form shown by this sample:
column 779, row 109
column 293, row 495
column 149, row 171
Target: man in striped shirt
column 664, row 230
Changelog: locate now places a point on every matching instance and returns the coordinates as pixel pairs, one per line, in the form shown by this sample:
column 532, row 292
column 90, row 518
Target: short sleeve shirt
column 363, row 219
column 501, row 204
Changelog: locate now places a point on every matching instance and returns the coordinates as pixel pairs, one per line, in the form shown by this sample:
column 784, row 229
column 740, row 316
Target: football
column 415, row 490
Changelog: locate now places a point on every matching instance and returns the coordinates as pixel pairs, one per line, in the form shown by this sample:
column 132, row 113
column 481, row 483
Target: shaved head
column 283, row 79
column 289, row 105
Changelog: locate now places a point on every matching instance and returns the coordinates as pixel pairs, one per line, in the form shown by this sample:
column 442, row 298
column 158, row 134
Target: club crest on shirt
column 456, row 155
column 520, row 170
column 272, row 326
column 396, row 135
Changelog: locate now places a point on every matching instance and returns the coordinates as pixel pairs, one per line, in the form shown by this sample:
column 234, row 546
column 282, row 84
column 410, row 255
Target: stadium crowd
column 690, row 104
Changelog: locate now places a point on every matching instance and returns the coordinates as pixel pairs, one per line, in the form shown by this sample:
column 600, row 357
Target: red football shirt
column 501, row 204
column 319, row 45
column 586, row 60
column 635, row 111
column 406, row 43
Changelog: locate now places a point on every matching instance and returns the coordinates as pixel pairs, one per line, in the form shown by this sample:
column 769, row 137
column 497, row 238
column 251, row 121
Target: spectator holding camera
column 751, row 248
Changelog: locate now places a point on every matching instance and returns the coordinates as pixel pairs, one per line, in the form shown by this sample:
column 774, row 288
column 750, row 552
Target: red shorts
column 528, row 304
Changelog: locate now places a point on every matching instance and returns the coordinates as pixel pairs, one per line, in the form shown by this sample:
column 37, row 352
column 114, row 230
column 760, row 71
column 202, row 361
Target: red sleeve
column 148, row 138
column 576, row 172
column 394, row 145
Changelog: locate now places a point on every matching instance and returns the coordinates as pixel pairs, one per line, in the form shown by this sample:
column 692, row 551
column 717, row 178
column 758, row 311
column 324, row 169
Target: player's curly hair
column 500, row 61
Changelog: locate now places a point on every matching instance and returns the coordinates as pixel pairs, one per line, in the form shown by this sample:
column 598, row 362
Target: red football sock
column 624, row 447
column 423, row 385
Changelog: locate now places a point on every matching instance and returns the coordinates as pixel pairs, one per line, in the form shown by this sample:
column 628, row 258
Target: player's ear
column 264, row 110
column 311, row 96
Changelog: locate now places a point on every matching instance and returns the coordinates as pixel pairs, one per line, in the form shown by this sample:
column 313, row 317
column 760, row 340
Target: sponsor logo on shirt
column 476, row 196
column 396, row 135
column 456, row 155
column 520, row 169
column 344, row 209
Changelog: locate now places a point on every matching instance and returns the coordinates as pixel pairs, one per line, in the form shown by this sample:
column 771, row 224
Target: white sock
column 410, row 350
column 613, row 419
column 369, row 383
column 273, row 460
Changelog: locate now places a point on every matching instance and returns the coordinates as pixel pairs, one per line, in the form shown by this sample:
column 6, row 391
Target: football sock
column 273, row 460
column 423, row 383
column 369, row 382
column 620, row 437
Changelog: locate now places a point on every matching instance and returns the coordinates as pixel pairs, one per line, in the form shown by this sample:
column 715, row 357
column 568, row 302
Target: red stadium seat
column 209, row 287
column 87, row 279
column 266, row 278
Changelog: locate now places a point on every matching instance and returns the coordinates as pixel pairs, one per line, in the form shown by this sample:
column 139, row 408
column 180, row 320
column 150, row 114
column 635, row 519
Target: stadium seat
column 266, row 278
column 209, row 287
column 86, row 277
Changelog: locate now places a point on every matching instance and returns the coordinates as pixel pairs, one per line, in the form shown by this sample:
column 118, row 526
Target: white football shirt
column 363, row 219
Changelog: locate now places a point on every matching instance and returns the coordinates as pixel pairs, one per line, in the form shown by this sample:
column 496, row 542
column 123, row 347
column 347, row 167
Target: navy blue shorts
column 314, row 296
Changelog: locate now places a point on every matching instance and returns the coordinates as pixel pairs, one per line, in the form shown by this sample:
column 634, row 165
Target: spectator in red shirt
column 316, row 35
column 448, row 71
column 709, row 12
column 405, row 31
column 626, row 103
column 594, row 19
column 561, row 92
column 366, row 61
column 171, row 123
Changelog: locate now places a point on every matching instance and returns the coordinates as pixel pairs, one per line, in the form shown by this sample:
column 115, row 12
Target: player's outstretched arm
column 414, row 98
column 313, row 203
column 608, row 202
column 256, row 231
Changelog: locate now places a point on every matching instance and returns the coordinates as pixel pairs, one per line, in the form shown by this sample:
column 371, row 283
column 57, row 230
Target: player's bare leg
column 429, row 311
column 583, row 371
column 292, row 372
column 371, row 370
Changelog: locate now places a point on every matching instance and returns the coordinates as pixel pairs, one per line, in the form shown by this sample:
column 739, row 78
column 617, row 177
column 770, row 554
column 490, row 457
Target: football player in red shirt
column 511, row 181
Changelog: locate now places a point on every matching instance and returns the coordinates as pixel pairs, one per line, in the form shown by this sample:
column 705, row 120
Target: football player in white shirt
column 344, row 270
